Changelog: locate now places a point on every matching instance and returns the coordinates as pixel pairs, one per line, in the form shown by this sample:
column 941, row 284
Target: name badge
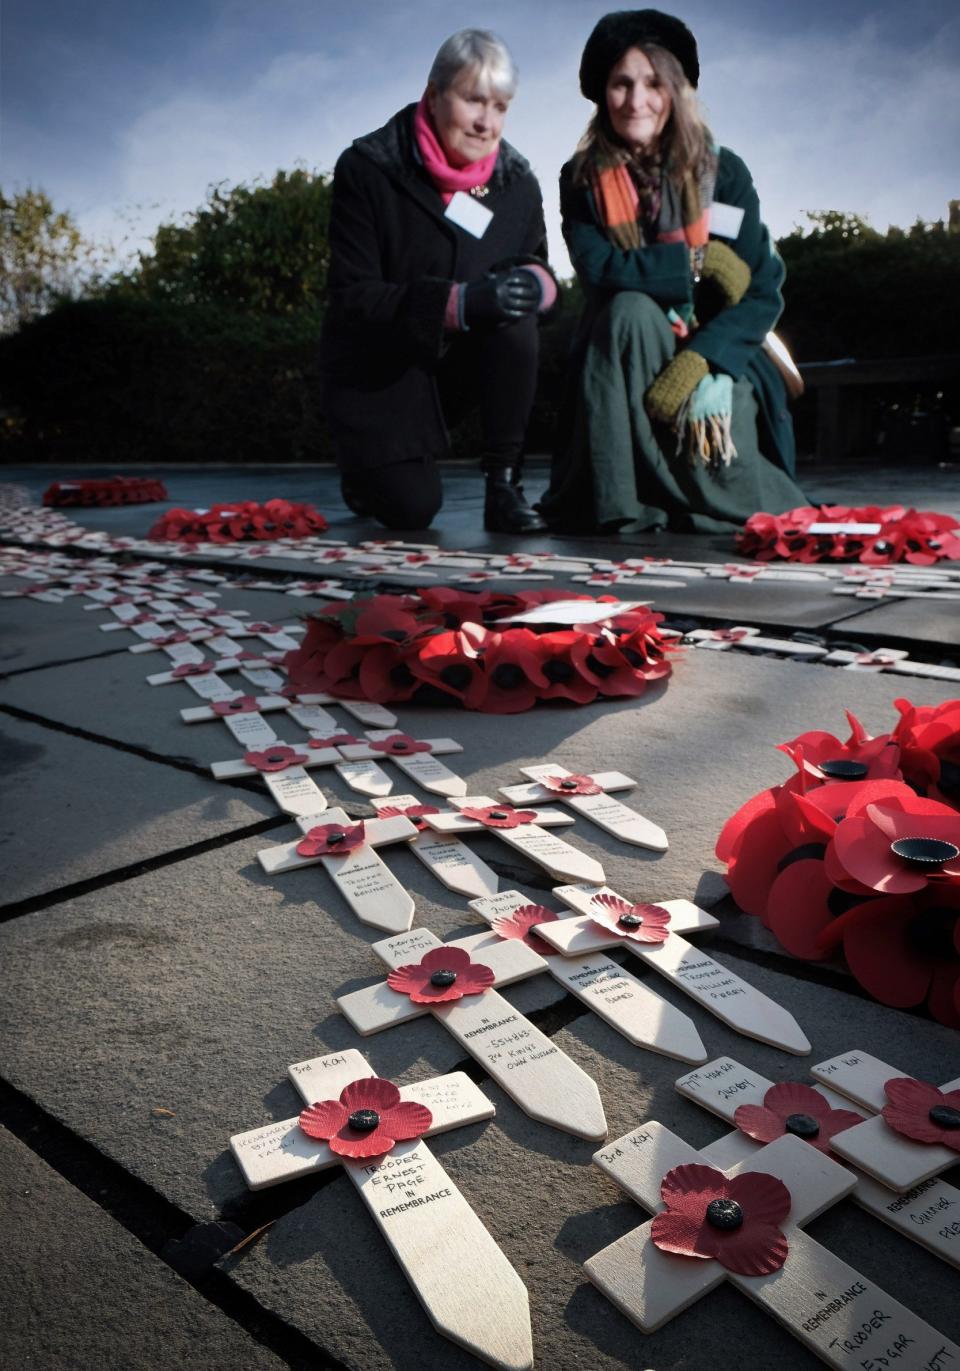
column 468, row 214
column 725, row 220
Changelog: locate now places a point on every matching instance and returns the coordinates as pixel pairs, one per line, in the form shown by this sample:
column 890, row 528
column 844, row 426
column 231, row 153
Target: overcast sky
column 125, row 111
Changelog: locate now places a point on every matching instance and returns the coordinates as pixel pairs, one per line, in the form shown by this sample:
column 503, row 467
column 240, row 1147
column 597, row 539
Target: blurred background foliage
column 206, row 348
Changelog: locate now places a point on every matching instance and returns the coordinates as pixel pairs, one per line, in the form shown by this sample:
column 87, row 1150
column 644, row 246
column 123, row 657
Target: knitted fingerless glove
column 678, row 380
column 728, row 272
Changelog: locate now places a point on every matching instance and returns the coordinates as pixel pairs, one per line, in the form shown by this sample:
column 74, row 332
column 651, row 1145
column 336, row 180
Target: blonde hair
column 683, row 147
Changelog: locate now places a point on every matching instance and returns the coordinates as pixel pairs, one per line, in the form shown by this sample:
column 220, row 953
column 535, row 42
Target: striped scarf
column 638, row 207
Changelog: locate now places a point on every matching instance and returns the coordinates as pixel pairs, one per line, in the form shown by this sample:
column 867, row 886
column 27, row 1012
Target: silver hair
column 479, row 50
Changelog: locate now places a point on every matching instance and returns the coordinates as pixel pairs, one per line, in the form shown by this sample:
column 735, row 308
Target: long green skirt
column 619, row 471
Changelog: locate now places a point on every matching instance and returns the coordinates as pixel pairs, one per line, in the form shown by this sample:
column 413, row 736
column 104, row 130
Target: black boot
column 505, row 510
column 354, row 497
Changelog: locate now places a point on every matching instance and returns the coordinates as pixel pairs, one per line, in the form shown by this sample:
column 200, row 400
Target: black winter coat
column 393, row 260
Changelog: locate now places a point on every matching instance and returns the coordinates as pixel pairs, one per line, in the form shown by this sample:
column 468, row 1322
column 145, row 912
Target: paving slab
column 325, row 1269
column 51, row 835
column 63, row 1258
column 918, row 619
column 191, row 989
column 38, row 634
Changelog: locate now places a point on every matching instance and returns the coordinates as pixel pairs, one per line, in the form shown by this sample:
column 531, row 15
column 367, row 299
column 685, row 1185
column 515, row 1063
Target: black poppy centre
column 724, row 1214
column 945, row 1116
column 924, row 852
column 843, row 769
column 568, row 785
column 802, row 1125
column 508, row 676
column 443, row 978
column 364, row 1120
column 630, row 920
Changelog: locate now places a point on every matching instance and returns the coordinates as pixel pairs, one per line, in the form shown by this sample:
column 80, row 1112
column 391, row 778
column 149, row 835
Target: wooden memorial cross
column 193, row 667
column 417, row 757
column 366, row 712
column 522, row 829
column 652, row 933
column 928, row 1214
column 467, row 1286
column 344, row 847
column 454, row 981
column 443, row 854
column 589, row 796
column 749, row 1219
column 917, row 1134
column 621, row 1000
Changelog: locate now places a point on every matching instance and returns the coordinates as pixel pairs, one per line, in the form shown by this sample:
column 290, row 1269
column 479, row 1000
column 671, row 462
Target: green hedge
column 126, row 380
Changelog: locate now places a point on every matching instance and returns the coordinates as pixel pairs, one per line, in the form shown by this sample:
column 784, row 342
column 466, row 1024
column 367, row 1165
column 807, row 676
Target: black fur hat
column 624, row 29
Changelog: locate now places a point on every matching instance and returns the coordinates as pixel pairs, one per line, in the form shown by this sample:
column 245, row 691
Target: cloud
column 849, row 115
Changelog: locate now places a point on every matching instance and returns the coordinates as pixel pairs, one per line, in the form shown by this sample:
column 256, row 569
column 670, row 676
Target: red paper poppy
column 387, row 618
column 194, row 668
column 335, row 740
column 923, row 1113
column 522, row 925
column 414, row 813
column 511, row 667
column 903, row 949
column 400, row 745
column 368, row 1120
column 240, row 704
column 331, row 840
column 897, row 845
column 929, row 736
column 639, row 923
column 442, row 975
column 905, row 535
column 263, row 628
column 452, row 660
column 792, row 1107
column 276, row 758
column 557, row 676
column 750, row 1207
column 499, row 816
column 571, row 785
column 859, row 758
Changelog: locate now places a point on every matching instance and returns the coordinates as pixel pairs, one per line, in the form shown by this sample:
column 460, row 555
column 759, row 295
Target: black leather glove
column 501, row 297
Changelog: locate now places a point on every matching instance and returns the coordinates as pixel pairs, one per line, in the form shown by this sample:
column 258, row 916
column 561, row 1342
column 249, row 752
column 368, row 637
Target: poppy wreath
column 117, row 490
column 905, row 535
column 245, row 521
column 857, row 854
column 440, row 645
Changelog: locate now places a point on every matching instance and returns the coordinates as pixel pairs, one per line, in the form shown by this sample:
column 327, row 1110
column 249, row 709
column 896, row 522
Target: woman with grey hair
column 678, row 413
column 437, row 277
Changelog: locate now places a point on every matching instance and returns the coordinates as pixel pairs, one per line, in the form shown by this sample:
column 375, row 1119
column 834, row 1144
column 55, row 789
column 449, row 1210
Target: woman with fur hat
column 678, row 416
column 437, row 277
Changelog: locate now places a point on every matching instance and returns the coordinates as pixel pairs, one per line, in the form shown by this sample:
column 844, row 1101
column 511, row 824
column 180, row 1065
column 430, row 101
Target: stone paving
column 158, row 984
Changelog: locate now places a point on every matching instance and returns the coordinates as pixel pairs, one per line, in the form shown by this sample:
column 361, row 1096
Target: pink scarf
column 445, row 175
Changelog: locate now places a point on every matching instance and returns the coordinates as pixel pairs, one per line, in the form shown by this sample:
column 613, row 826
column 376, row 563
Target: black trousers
column 494, row 369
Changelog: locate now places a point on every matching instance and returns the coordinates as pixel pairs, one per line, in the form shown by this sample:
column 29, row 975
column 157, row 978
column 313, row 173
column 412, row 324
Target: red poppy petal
column 764, row 1198
column 793, row 1097
column 757, row 1122
column 406, row 979
column 349, row 1143
column 863, row 851
column 735, row 825
column 681, row 1234
column 754, row 862
column 445, row 959
column 323, row 1120
column 406, row 1120
column 755, row 1249
column 474, row 979
column 906, row 1093
column 370, row 1092
column 797, row 911
column 837, row 1121
column 688, row 1189
column 881, row 956
column 944, row 999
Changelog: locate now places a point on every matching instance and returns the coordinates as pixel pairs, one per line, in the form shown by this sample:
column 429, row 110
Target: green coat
column 731, row 341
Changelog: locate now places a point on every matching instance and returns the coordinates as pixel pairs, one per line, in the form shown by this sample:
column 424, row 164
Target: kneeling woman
column 437, row 275
column 680, row 414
